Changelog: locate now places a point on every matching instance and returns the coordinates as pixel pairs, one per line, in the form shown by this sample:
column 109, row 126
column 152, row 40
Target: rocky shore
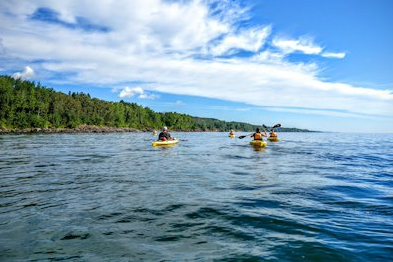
column 79, row 129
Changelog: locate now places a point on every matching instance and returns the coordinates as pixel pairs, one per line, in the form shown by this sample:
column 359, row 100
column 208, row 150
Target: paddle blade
column 277, row 125
column 264, row 126
column 241, row 137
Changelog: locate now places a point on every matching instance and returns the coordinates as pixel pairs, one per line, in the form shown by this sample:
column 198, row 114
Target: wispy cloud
column 179, row 47
column 334, row 55
column 51, row 16
column 148, row 96
column 303, row 45
column 248, row 40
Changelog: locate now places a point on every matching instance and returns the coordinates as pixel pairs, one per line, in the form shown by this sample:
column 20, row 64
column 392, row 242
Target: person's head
column 257, row 130
column 271, row 130
column 165, row 129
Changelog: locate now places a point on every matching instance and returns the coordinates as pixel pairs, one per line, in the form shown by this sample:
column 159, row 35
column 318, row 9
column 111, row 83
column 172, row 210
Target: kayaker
column 231, row 132
column 258, row 135
column 164, row 135
column 272, row 134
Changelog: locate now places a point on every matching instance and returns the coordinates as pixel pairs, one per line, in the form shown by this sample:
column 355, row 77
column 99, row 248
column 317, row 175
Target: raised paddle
column 276, row 125
column 241, row 137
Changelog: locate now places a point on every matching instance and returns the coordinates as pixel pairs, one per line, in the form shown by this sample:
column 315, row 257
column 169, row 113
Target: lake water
column 114, row 197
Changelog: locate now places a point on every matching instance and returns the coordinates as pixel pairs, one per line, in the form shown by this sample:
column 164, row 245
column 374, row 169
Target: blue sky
column 320, row 65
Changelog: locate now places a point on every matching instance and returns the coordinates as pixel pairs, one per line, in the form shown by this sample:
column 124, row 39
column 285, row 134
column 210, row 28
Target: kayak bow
column 258, row 143
column 165, row 143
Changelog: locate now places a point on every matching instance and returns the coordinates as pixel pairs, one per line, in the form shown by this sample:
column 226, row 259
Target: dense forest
column 25, row 104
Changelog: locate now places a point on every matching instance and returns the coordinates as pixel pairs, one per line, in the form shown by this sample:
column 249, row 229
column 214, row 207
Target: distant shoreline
column 88, row 129
column 99, row 129
column 79, row 129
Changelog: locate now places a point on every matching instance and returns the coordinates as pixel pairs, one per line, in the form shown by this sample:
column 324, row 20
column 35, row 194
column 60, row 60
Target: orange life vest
column 257, row 136
column 273, row 134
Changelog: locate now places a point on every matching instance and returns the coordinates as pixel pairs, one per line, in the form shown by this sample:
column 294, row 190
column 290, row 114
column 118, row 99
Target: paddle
column 276, row 125
column 241, row 137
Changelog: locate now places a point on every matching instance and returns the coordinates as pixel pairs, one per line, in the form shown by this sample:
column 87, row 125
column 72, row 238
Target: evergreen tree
column 24, row 104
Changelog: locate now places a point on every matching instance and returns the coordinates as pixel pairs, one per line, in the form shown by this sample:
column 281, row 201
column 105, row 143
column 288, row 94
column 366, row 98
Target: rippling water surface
column 113, row 197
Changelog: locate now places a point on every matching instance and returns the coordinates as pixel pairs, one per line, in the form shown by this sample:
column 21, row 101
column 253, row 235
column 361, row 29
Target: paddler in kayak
column 164, row 135
column 272, row 133
column 258, row 135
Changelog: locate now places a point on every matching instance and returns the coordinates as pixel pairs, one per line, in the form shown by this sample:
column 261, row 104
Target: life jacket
column 257, row 136
column 273, row 134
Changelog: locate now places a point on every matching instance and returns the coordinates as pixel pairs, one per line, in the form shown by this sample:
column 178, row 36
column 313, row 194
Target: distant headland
column 27, row 107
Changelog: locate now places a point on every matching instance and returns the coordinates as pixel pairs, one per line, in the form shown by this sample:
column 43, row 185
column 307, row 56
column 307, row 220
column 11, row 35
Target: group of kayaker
column 165, row 138
column 258, row 135
column 165, row 135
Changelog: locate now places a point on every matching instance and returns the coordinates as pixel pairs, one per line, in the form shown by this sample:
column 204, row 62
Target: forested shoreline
column 29, row 107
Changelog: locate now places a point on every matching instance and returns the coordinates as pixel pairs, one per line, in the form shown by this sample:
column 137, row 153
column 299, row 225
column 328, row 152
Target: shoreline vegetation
column 103, row 129
column 27, row 107
column 88, row 129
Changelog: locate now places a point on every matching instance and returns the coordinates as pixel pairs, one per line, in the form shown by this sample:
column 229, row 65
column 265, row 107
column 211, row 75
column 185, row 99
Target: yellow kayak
column 232, row 135
column 273, row 138
column 165, row 143
column 258, row 143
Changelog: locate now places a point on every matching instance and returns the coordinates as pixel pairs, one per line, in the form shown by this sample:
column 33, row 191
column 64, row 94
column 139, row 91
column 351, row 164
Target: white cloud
column 248, row 40
column 27, row 73
column 334, row 55
column 269, row 56
column 303, row 44
column 159, row 45
column 148, row 96
column 128, row 92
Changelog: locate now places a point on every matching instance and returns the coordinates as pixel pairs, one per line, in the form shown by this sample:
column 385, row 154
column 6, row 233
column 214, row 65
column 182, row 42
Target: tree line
column 25, row 104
